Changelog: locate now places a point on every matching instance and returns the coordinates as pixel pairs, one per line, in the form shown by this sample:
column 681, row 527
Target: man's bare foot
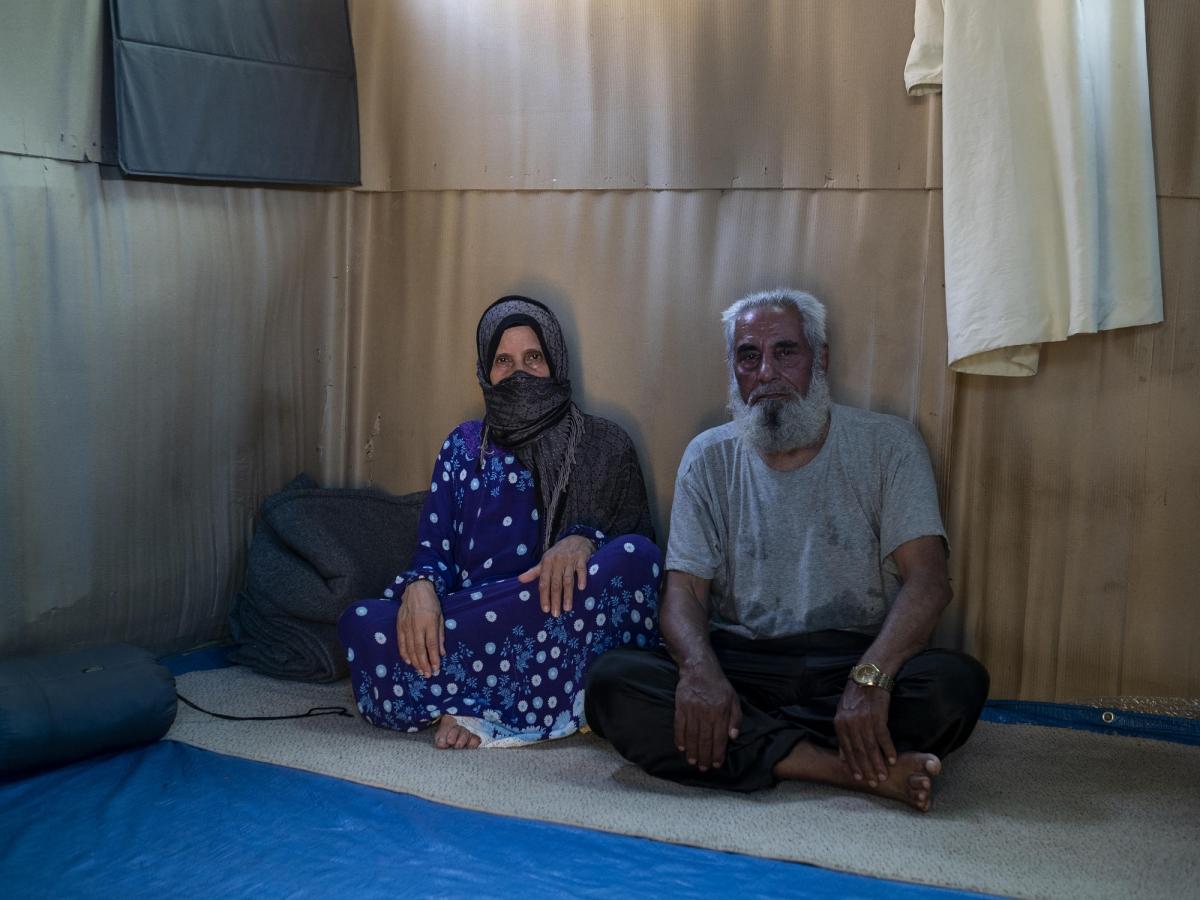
column 452, row 736
column 910, row 780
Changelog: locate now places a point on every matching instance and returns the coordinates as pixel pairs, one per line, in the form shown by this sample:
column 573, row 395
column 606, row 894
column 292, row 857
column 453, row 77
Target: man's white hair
column 809, row 308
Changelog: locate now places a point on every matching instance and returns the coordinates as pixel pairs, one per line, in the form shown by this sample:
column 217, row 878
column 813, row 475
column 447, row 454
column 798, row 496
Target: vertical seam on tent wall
column 355, row 336
column 919, row 370
column 949, row 402
column 343, row 434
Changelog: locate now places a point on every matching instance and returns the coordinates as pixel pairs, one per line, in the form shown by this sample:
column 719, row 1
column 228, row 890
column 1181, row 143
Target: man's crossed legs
column 789, row 690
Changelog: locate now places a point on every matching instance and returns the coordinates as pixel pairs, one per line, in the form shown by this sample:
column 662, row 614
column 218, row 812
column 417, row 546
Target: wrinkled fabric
column 1051, row 222
column 314, row 551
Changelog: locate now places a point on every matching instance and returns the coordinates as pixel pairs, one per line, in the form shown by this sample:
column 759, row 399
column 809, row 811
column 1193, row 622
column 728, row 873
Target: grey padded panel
column 236, row 90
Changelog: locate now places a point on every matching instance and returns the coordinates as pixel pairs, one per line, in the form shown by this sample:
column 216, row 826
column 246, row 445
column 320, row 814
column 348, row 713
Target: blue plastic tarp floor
column 170, row 820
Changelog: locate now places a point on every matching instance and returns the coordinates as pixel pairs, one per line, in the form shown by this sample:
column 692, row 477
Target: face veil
column 534, row 417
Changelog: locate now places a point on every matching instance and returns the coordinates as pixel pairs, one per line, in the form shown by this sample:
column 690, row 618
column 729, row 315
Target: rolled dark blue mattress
column 61, row 707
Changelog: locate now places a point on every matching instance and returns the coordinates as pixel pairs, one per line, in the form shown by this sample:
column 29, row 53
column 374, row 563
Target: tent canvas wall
column 170, row 353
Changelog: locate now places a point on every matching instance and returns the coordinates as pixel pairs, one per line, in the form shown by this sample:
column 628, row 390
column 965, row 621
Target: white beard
column 782, row 425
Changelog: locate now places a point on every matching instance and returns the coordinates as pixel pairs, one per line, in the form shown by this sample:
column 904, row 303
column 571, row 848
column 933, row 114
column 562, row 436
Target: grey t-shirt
column 807, row 550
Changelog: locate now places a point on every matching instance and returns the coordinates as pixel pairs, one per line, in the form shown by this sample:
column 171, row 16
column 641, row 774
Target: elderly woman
column 535, row 556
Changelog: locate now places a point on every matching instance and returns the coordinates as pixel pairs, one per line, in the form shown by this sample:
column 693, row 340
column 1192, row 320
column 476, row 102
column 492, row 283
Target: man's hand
column 420, row 629
column 707, row 715
column 864, row 743
column 562, row 568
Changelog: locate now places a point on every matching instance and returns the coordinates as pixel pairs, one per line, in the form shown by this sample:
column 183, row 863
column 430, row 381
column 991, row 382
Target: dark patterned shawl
column 585, row 468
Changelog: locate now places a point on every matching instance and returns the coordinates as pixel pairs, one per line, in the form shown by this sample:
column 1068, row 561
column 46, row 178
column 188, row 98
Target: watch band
column 870, row 675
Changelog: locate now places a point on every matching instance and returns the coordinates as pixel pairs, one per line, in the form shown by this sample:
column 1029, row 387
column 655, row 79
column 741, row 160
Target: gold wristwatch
column 870, row 675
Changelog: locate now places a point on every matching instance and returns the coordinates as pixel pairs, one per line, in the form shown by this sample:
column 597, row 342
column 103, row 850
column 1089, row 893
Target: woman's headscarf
column 534, row 417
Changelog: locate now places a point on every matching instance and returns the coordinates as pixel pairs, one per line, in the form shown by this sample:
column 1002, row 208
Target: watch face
column 865, row 674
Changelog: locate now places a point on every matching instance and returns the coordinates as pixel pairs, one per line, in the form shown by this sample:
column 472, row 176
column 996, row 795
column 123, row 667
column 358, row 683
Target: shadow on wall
column 559, row 300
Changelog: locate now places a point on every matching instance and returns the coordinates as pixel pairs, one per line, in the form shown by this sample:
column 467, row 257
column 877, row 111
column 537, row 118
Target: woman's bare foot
column 910, row 780
column 452, row 736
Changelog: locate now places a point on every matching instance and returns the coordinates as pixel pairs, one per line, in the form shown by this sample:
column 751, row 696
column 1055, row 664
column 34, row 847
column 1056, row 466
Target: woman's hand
column 563, row 568
column 420, row 629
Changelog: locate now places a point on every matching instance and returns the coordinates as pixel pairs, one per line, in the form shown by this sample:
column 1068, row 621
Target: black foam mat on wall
column 236, row 90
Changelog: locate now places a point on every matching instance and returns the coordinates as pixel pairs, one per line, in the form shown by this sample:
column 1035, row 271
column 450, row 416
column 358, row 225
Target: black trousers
column 789, row 690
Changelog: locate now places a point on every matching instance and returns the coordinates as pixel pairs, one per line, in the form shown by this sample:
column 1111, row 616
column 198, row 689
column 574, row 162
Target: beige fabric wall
column 169, row 354
column 56, row 99
column 639, row 165
column 639, row 279
column 637, row 94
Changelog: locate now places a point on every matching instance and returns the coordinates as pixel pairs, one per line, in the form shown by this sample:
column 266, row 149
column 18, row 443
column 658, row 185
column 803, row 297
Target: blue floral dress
column 511, row 674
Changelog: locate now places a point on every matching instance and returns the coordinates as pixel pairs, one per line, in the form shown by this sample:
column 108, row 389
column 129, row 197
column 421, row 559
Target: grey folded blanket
column 316, row 550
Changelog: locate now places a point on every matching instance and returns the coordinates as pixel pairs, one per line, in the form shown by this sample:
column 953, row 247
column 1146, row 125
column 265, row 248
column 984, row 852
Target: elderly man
column 806, row 569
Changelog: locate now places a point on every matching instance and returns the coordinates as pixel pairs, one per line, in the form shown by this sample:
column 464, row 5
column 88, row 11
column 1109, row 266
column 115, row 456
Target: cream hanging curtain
column 1048, row 172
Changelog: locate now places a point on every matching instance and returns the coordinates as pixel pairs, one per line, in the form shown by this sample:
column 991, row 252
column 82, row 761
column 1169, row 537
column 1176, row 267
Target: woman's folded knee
column 637, row 560
column 363, row 614
column 640, row 547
